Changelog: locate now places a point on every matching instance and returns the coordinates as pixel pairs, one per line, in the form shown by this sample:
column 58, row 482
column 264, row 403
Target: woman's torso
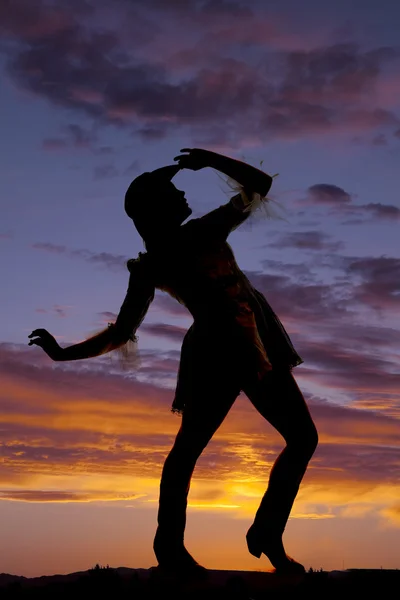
column 204, row 276
column 201, row 272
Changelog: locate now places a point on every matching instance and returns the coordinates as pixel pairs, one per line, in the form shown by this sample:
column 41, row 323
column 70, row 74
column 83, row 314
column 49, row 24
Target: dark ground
column 138, row 584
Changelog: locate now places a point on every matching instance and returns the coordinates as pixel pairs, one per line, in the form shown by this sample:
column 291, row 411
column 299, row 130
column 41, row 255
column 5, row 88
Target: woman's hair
column 140, row 198
column 138, row 201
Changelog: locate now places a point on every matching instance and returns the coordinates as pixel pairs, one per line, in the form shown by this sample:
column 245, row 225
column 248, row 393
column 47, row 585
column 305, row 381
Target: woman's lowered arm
column 103, row 342
column 133, row 310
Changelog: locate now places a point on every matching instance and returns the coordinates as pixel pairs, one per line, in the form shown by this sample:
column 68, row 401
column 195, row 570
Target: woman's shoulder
column 141, row 266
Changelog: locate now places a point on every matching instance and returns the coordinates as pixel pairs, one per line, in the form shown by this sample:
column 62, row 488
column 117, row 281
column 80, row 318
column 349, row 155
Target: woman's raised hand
column 195, row 159
column 44, row 339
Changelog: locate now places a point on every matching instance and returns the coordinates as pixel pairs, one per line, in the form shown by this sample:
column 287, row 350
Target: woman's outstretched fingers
column 41, row 337
column 37, row 332
column 44, row 339
column 36, row 337
column 195, row 159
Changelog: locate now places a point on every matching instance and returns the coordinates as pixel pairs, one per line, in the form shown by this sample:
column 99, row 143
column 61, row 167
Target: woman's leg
column 279, row 400
column 201, row 418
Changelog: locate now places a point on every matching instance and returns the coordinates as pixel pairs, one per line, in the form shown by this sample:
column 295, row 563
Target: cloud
column 392, row 513
column 105, row 259
column 58, row 311
column 80, row 137
column 340, row 329
column 296, row 270
column 335, row 365
column 165, row 303
column 380, row 282
column 341, row 203
column 328, row 194
column 381, row 211
column 107, row 316
column 71, row 433
column 30, row 20
column 117, row 78
column 159, row 367
column 164, row 330
column 56, row 496
column 107, row 171
column 153, row 133
column 302, row 302
column 75, row 136
column 326, row 321
column 48, row 247
column 132, row 168
column 307, row 240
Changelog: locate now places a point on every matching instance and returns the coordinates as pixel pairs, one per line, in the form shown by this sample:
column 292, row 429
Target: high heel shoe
column 272, row 546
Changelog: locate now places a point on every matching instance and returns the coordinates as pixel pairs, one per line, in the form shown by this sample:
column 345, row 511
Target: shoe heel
column 253, row 544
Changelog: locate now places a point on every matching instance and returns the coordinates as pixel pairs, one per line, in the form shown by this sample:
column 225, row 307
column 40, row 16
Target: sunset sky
column 94, row 92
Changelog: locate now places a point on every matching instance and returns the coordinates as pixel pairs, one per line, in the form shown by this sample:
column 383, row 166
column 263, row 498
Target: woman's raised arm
column 251, row 178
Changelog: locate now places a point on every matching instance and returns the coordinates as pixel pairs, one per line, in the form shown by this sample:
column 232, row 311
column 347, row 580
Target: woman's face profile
column 172, row 205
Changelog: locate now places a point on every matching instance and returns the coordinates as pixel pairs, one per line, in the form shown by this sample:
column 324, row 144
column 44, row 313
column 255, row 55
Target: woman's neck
column 162, row 239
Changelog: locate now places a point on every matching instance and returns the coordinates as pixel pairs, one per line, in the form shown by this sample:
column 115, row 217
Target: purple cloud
column 307, row 240
column 106, row 259
column 107, row 316
column 153, row 133
column 105, row 172
column 117, row 78
column 164, row 330
column 328, row 194
column 169, row 305
column 48, row 247
column 80, row 137
column 341, row 202
column 381, row 211
column 58, row 311
column 75, row 136
column 380, row 282
column 132, row 168
column 301, row 302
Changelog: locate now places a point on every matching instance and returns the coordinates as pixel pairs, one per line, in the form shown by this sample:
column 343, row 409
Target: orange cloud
column 72, row 434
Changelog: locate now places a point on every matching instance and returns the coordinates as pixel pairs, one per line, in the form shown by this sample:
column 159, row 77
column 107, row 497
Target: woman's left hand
column 44, row 339
column 195, row 159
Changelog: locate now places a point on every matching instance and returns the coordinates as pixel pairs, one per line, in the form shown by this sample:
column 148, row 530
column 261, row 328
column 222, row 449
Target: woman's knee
column 304, row 440
column 312, row 438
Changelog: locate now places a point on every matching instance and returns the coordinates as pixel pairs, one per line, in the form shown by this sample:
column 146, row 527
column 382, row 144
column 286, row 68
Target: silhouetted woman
column 236, row 342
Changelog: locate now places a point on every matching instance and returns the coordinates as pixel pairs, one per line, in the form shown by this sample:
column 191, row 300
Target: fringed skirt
column 216, row 355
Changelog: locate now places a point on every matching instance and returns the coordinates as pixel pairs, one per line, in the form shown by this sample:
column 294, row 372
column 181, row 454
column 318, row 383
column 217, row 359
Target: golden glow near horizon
column 85, row 440
column 69, row 447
